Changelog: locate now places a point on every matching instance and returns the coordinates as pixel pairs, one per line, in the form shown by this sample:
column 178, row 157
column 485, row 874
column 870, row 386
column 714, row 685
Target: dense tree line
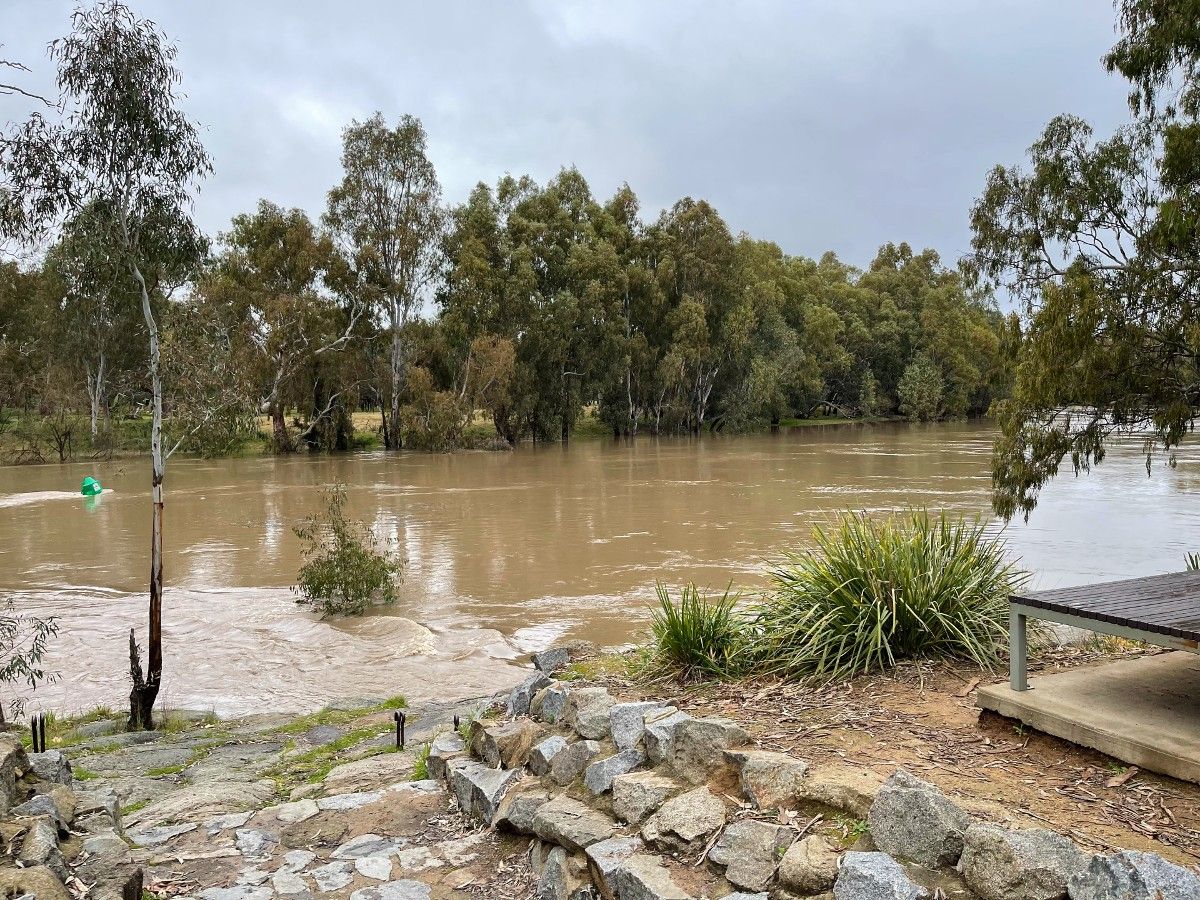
column 522, row 307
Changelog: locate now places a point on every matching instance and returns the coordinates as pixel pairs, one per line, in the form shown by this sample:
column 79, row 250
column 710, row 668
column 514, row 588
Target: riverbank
column 326, row 805
column 127, row 438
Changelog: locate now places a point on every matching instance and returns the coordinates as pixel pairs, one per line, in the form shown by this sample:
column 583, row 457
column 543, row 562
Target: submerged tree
column 121, row 144
column 1101, row 239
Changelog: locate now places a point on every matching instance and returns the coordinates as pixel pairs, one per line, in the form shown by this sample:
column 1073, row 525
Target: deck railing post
column 1018, row 650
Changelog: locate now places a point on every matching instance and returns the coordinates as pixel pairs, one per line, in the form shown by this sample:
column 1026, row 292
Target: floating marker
column 90, row 487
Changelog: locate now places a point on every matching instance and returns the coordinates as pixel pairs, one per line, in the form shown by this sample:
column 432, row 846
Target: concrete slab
column 1143, row 711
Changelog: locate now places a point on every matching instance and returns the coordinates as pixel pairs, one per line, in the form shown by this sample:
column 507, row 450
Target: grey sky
column 820, row 125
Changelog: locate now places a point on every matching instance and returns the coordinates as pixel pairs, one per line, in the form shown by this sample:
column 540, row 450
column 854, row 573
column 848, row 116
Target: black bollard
column 399, row 717
column 456, row 725
column 33, row 729
column 42, row 730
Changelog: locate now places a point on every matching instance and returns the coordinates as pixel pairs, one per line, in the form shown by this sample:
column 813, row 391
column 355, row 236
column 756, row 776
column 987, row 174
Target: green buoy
column 90, row 487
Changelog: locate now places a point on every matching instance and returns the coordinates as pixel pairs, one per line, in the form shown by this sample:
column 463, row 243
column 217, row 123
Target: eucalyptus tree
column 387, row 211
column 97, row 306
column 276, row 276
column 121, row 142
column 1100, row 237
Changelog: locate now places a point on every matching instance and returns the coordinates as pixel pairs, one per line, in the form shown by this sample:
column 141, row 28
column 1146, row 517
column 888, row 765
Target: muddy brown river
column 507, row 552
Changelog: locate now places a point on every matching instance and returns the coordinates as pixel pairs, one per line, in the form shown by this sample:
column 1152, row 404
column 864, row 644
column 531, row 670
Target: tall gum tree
column 1101, row 239
column 119, row 141
column 387, row 211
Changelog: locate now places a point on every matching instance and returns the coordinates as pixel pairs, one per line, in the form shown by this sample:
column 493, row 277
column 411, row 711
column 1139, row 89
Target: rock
column 253, row 876
column 552, row 660
column 377, row 867
column 569, row 764
column 749, row 851
column 507, row 746
column 684, row 823
column 52, row 766
column 107, row 846
column 741, row 895
column 45, row 805
column 319, row 735
column 160, row 834
column 643, row 877
column 460, row 851
column 13, row 764
column 1131, row 875
column 296, row 860
column 445, row 747
column 550, row 703
column 37, row 882
column 554, row 882
column 40, row 846
column 480, row 789
column 98, row 803
column 659, row 733
column 255, row 842
column 542, row 755
column 347, row 802
column 368, row 845
column 520, row 805
column 598, row 777
column 913, row 820
column 700, row 745
column 846, row 788
column 998, row 864
column 333, row 876
column 587, row 712
column 299, row 811
column 306, row 791
column 637, row 795
column 207, row 799
column 415, row 859
column 238, row 892
column 571, row 824
column 226, row 822
column 874, row 876
column 769, row 780
column 363, row 775
column 522, row 695
column 606, row 857
column 809, row 866
column 627, row 721
column 394, row 890
column 289, row 884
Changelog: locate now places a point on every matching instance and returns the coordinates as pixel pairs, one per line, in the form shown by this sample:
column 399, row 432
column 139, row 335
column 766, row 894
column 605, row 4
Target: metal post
column 42, row 730
column 1018, row 650
column 33, row 730
column 399, row 717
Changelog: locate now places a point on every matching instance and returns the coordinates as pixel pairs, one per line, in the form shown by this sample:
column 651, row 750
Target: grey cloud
column 820, row 125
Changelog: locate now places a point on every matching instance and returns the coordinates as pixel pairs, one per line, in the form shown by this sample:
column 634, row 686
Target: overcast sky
column 819, row 125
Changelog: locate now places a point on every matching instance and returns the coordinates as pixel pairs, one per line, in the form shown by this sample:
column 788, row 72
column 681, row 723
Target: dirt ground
column 923, row 718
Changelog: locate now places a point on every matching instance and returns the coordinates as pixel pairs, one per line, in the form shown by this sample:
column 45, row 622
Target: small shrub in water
column 873, row 593
column 700, row 637
column 345, row 568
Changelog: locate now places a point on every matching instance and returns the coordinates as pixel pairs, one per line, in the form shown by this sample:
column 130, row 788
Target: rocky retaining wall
column 623, row 800
column 60, row 841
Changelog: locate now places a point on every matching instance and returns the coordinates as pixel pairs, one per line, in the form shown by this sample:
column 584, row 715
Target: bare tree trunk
column 392, row 434
column 280, row 437
column 145, row 688
column 95, row 386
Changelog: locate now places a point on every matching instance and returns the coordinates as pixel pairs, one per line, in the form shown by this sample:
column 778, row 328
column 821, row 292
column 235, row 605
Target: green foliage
column 700, row 637
column 920, row 390
column 345, row 568
column 873, row 593
column 1098, row 236
column 23, row 643
column 421, row 764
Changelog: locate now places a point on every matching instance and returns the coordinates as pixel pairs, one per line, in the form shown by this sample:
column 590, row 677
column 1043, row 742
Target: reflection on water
column 507, row 551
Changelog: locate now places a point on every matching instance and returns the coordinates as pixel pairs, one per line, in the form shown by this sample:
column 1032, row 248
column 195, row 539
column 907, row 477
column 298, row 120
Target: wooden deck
column 1162, row 604
column 1159, row 609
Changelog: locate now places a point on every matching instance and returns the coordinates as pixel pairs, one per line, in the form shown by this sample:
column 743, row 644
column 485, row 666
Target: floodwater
column 507, row 552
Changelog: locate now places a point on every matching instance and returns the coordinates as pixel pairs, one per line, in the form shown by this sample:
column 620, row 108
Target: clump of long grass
column 874, row 592
column 700, row 637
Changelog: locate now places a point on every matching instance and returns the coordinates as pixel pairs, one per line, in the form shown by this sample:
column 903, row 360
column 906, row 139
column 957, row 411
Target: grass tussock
column 871, row 593
column 874, row 592
column 700, row 637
